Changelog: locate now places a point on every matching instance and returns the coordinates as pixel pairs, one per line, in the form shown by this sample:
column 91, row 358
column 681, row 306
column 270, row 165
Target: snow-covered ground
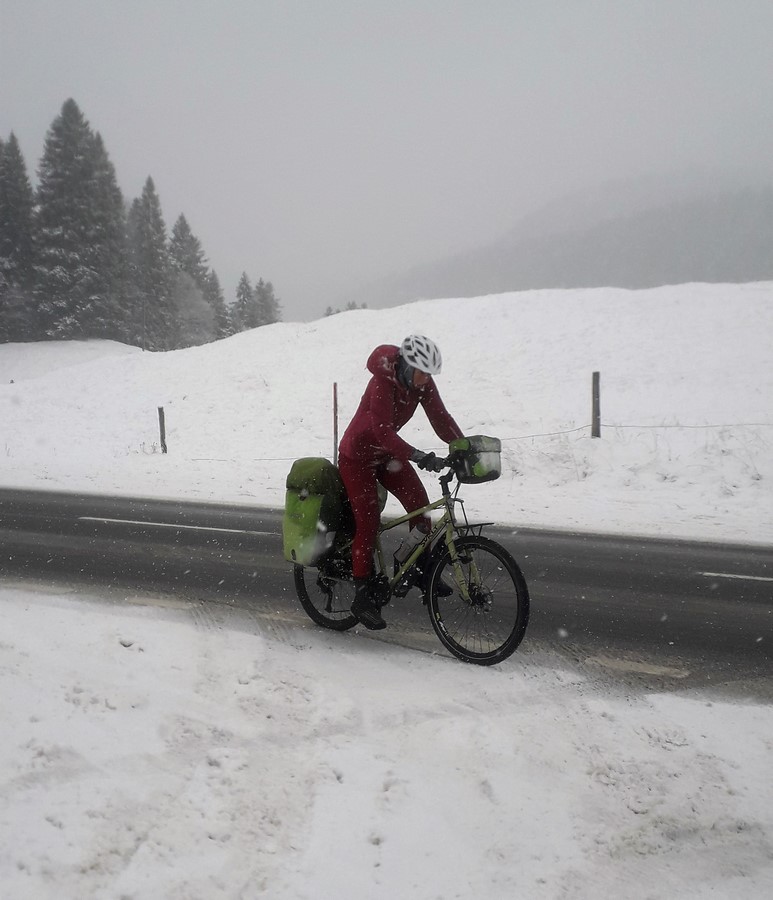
column 155, row 752
column 167, row 749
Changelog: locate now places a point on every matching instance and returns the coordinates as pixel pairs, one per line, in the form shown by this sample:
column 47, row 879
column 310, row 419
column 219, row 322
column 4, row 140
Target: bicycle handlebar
column 447, row 477
column 451, row 459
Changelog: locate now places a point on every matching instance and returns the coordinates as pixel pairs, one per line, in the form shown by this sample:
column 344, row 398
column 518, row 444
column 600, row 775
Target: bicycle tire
column 325, row 597
column 488, row 629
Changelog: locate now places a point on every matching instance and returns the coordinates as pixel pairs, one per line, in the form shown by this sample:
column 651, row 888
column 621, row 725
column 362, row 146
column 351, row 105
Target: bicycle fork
column 461, row 581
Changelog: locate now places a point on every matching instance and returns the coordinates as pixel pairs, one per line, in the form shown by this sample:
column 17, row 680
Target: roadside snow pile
column 686, row 401
column 144, row 756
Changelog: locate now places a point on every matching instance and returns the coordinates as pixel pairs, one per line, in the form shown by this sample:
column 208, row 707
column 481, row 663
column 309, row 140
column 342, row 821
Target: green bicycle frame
column 446, row 524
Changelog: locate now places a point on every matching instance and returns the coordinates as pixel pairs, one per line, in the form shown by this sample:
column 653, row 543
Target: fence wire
column 528, row 437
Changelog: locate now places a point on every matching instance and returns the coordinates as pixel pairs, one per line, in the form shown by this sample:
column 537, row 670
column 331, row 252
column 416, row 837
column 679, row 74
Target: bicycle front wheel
column 488, row 625
column 326, row 596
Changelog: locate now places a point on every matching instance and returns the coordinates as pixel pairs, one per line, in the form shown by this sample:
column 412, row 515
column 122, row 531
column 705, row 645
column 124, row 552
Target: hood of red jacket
column 383, row 360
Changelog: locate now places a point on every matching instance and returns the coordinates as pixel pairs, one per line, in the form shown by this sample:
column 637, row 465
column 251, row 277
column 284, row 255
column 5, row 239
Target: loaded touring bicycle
column 484, row 617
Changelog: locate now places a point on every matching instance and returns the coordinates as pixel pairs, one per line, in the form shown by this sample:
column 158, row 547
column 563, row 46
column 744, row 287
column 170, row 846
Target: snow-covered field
column 167, row 749
column 686, row 400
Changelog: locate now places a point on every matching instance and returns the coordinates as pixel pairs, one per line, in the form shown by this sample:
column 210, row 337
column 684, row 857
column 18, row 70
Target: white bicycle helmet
column 422, row 353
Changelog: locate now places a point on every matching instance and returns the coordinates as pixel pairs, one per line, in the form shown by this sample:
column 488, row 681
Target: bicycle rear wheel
column 326, row 595
column 489, row 626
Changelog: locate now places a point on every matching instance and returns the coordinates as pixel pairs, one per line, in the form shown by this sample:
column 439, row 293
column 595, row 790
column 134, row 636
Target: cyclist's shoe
column 364, row 609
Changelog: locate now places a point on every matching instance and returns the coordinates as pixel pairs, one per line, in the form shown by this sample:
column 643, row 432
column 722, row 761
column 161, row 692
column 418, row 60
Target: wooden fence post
column 595, row 429
column 335, row 423
column 162, row 428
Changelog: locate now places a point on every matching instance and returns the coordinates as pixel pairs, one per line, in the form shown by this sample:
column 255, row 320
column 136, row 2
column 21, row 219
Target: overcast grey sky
column 321, row 144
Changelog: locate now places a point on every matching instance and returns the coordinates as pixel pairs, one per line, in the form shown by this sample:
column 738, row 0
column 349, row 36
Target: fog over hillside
column 640, row 234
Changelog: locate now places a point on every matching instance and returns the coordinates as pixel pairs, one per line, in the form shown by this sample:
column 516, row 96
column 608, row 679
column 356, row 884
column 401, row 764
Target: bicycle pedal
column 405, row 584
column 401, row 589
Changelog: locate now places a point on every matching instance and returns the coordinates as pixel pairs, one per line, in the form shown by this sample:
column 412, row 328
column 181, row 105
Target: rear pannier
column 476, row 458
column 315, row 510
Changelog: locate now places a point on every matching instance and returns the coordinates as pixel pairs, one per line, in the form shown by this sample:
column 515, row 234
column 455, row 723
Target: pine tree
column 186, row 252
column 197, row 324
column 16, row 249
column 5, row 328
column 79, row 232
column 244, row 309
column 151, row 273
column 274, row 304
column 267, row 304
column 109, row 314
column 195, row 317
column 214, row 296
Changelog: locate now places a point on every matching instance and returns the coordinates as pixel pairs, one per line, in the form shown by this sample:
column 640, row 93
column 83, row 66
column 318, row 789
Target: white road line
column 176, row 527
column 740, row 577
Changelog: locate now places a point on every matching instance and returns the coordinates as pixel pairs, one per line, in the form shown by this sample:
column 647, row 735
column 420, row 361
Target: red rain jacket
column 386, row 406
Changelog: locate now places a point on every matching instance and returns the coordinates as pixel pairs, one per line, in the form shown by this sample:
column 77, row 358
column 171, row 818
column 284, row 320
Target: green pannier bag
column 476, row 458
column 314, row 510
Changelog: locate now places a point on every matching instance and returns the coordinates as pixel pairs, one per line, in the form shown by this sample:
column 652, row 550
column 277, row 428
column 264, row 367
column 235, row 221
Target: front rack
column 473, row 528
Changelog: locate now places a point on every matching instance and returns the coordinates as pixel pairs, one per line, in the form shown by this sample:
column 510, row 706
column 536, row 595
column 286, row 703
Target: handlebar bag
column 476, row 458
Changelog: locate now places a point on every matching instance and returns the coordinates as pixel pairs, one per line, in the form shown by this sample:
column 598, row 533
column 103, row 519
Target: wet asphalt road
column 661, row 614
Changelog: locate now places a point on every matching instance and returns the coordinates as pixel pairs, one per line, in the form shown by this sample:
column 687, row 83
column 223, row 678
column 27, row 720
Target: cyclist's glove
column 428, row 461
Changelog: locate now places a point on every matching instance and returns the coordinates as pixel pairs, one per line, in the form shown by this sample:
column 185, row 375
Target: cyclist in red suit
column 371, row 451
